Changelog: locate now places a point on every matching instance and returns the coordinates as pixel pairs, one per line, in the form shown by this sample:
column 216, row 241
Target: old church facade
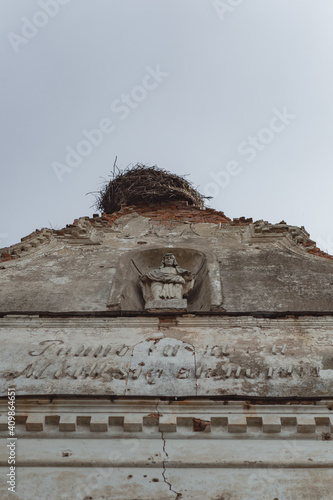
column 165, row 351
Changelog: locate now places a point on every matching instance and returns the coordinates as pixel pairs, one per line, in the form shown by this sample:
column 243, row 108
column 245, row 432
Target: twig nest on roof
column 146, row 185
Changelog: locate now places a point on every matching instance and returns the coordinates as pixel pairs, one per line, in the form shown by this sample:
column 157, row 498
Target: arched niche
column 126, row 292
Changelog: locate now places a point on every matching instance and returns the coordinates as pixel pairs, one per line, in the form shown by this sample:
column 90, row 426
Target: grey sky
column 203, row 78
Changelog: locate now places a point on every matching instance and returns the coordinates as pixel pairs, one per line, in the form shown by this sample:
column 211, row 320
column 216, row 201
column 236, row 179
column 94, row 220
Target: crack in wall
column 195, row 372
column 164, row 458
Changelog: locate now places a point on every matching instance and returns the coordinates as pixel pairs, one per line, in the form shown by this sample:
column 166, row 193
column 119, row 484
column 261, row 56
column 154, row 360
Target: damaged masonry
column 162, row 350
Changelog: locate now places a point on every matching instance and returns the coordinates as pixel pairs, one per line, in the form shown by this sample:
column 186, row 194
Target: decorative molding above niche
column 131, row 288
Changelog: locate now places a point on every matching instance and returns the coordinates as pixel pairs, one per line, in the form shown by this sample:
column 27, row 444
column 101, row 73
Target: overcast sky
column 237, row 94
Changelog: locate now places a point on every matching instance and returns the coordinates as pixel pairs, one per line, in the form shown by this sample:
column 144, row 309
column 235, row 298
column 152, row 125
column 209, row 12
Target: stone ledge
column 325, row 320
column 220, row 424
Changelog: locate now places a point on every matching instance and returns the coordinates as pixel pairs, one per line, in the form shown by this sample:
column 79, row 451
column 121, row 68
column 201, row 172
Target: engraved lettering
column 60, row 371
column 169, row 350
column 64, row 351
column 79, row 351
column 225, row 350
column 98, row 350
column 315, row 371
column 283, row 349
column 91, row 369
column 28, row 370
column 216, row 351
column 123, row 374
column 106, row 351
column 183, row 373
column 137, row 373
column 39, row 372
column 100, row 369
column 151, row 349
column 122, row 350
column 48, row 344
column 150, row 378
column 77, row 372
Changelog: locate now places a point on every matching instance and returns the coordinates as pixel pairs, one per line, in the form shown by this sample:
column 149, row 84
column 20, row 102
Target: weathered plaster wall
column 189, row 356
column 139, row 449
column 259, row 271
column 122, row 440
column 63, row 483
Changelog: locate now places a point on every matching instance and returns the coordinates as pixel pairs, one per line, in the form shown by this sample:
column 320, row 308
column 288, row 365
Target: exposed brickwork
column 299, row 235
column 171, row 213
column 6, row 256
column 317, row 251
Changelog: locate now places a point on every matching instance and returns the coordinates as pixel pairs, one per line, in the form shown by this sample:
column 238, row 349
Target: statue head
column 169, row 260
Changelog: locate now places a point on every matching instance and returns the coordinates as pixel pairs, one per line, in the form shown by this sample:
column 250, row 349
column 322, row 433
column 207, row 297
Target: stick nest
column 145, row 185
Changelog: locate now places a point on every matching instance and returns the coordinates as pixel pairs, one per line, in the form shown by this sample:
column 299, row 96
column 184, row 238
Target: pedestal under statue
column 166, row 287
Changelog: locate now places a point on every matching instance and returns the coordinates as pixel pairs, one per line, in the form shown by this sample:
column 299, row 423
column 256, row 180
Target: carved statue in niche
column 166, row 287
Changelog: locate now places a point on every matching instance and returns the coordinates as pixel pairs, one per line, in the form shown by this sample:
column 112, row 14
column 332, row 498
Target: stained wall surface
column 229, row 399
column 255, row 267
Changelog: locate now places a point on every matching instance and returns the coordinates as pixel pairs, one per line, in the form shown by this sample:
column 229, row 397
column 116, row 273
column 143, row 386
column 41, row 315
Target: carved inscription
column 279, row 349
column 153, row 362
column 44, row 346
